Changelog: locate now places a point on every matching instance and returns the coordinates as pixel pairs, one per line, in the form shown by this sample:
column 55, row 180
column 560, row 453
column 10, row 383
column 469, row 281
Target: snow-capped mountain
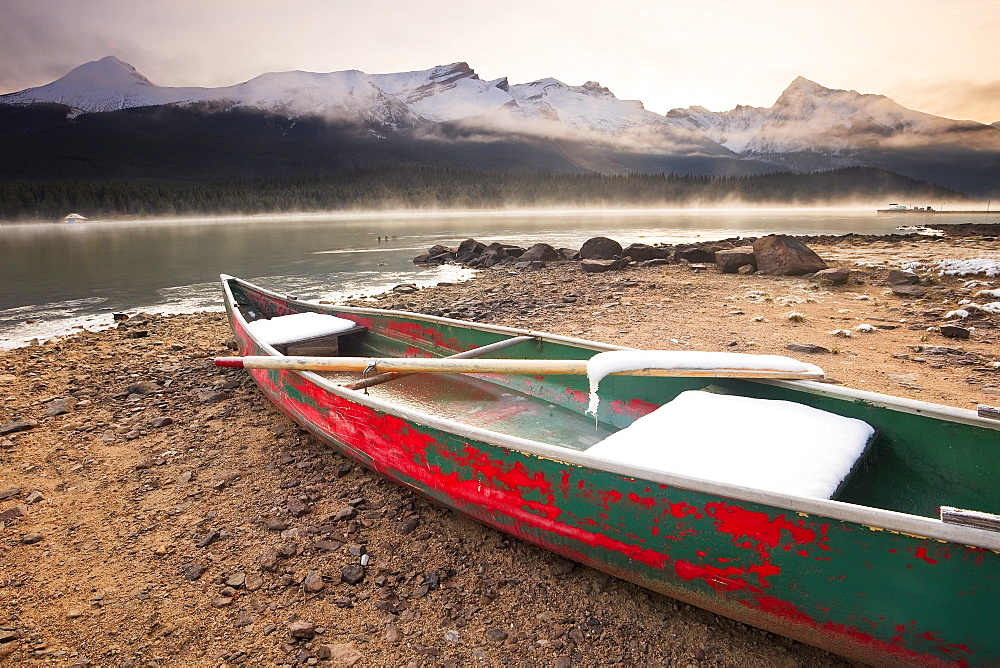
column 442, row 94
column 808, row 117
column 809, row 127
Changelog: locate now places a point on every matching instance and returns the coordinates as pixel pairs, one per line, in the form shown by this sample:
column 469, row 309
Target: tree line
column 425, row 187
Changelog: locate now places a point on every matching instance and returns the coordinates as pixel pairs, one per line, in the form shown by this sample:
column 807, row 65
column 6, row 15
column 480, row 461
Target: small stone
column 346, row 513
column 74, row 613
column 7, row 635
column 20, row 510
column 268, row 559
column 161, row 422
column 327, row 545
column 907, row 290
column 254, row 582
column 344, row 655
column 409, row 526
column 297, row 507
column 16, row 425
column 34, row 497
column 907, row 380
column 208, row 538
column 60, row 406
column 899, row 277
column 236, row 580
column 185, row 477
column 9, row 492
column 806, row 348
column 352, row 573
column 275, row 524
column 313, row 582
column 243, row 618
column 289, row 549
column 31, row 538
column 951, row 331
column 192, row 571
column 221, row 601
column 302, row 629
column 497, row 635
column 142, row 387
column 392, row 633
column 834, row 276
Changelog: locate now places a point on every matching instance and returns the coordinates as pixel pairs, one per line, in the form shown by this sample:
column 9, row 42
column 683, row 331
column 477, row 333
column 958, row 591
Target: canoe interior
column 916, row 464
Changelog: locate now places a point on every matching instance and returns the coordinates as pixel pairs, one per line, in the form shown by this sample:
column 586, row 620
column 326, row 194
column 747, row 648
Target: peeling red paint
column 645, row 501
column 634, row 408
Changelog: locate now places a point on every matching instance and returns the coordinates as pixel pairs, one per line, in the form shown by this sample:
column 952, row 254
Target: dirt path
column 160, row 512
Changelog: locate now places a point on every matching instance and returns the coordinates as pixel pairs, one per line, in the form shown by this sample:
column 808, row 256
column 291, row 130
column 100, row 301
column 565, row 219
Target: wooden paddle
column 500, row 366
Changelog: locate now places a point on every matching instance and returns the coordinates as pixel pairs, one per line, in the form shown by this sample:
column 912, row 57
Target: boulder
column 699, row 252
column 731, row 259
column 469, row 250
column 439, row 254
column 900, row 277
column 600, row 248
column 643, row 252
column 490, row 257
column 540, row 253
column 834, row 276
column 780, row 255
column 513, row 251
column 471, row 246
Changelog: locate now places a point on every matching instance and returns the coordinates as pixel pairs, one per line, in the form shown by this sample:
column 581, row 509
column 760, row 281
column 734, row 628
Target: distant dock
column 931, row 212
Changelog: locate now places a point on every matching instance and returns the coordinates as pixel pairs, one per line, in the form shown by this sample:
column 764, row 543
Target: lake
column 58, row 277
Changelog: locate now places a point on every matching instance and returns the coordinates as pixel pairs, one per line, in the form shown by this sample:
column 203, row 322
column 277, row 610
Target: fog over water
column 57, row 277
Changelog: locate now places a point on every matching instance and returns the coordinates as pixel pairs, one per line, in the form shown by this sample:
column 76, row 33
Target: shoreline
column 165, row 512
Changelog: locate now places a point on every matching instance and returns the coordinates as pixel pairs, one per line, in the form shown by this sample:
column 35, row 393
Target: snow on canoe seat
column 777, row 446
column 306, row 333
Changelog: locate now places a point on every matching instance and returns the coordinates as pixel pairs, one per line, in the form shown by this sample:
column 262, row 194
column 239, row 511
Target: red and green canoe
column 878, row 572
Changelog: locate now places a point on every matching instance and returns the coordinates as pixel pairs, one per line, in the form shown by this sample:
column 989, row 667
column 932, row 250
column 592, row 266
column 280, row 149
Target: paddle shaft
column 380, row 378
column 499, row 366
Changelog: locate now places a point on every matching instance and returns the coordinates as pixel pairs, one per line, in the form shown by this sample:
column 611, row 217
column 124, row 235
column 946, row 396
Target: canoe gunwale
column 875, row 518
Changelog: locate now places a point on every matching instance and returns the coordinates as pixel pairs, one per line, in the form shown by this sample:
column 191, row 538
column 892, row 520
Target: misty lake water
column 58, row 277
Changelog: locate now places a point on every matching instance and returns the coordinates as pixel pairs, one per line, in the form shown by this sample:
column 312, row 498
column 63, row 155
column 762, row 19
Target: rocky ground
column 155, row 510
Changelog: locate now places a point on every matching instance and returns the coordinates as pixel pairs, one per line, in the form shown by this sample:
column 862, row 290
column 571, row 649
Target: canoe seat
column 307, row 333
column 777, row 446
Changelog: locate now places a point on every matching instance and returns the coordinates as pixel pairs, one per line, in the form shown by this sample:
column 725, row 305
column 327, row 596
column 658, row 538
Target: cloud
column 979, row 101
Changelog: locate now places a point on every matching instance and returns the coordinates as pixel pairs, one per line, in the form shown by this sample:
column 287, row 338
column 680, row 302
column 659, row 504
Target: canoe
column 897, row 563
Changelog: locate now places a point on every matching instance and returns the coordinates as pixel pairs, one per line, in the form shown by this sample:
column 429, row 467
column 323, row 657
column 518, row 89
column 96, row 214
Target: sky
column 936, row 56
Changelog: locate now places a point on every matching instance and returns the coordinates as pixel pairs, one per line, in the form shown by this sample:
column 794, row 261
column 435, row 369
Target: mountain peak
column 453, row 72
column 108, row 69
column 801, row 85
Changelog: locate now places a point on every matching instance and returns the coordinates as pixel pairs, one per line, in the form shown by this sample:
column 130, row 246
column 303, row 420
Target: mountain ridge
column 808, row 127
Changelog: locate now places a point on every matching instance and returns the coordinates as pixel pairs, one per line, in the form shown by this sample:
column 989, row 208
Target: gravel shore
column 156, row 510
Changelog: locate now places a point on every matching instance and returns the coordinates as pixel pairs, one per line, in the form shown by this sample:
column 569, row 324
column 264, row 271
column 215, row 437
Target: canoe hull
column 876, row 596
